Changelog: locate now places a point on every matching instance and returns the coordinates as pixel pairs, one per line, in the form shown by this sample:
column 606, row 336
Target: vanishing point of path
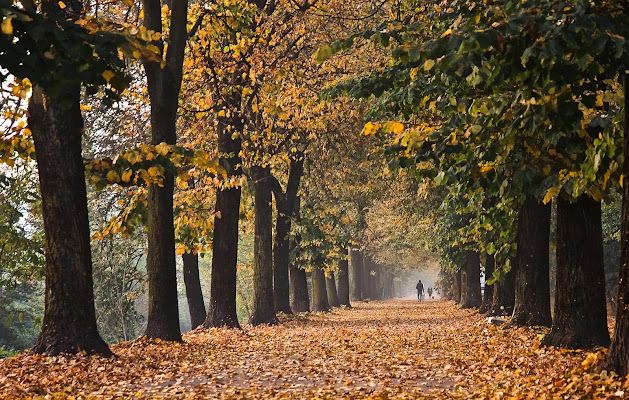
column 387, row 349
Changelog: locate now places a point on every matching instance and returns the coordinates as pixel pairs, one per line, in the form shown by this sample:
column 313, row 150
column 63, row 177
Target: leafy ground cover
column 380, row 350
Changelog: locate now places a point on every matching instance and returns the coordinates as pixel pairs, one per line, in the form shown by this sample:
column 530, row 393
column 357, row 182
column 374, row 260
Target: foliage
column 21, row 310
column 21, row 237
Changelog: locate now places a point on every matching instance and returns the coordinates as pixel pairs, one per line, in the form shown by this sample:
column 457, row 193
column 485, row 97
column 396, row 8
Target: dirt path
column 389, row 349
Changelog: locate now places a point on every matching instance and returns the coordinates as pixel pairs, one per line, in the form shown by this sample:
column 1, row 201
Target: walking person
column 420, row 290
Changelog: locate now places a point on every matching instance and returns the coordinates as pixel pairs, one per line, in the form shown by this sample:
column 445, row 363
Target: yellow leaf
column 62, row 5
column 153, row 171
column 162, row 148
column 126, row 175
column 447, row 33
column 108, row 75
column 546, row 170
column 370, row 128
column 397, row 128
column 7, row 26
column 551, row 194
column 429, row 64
column 113, row 177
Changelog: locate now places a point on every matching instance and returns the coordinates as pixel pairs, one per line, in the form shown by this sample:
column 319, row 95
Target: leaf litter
column 396, row 349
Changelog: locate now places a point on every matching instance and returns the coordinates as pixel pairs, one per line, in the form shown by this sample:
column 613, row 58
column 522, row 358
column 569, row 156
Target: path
column 399, row 349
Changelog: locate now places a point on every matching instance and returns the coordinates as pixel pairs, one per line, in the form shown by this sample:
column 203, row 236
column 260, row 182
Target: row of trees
column 512, row 105
column 229, row 92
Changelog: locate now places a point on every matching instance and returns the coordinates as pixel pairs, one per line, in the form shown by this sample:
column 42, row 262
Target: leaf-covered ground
column 391, row 349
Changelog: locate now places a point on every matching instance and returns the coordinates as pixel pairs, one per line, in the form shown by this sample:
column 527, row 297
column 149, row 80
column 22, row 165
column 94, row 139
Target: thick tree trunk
column 330, row 284
column 580, row 309
column 263, row 303
column 456, row 286
column 470, row 281
column 281, row 255
column 488, row 293
column 343, row 283
column 286, row 205
column 617, row 357
column 164, row 84
column 193, row 289
column 504, row 294
column 532, row 282
column 374, row 278
column 69, row 324
column 319, row 292
column 222, row 306
column 356, row 257
column 299, row 300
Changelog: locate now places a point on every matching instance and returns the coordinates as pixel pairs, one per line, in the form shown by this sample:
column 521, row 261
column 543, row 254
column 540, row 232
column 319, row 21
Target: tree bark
column 504, row 294
column 222, row 306
column 366, row 278
column 343, row 280
column 532, row 282
column 196, row 306
column 263, row 302
column 617, row 356
column 488, row 293
column 285, row 204
column 580, row 309
column 319, row 292
column 330, row 284
column 164, row 84
column 69, row 324
column 470, row 281
column 299, row 300
column 456, row 286
column 374, row 277
column 357, row 275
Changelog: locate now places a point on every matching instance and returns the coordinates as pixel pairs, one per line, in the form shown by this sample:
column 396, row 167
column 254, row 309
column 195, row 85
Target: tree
column 617, row 356
column 532, row 290
column 343, row 280
column 470, row 281
column 56, row 123
column 580, row 308
column 488, row 291
column 164, row 84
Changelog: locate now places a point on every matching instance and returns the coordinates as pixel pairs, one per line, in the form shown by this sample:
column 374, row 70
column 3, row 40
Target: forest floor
column 396, row 349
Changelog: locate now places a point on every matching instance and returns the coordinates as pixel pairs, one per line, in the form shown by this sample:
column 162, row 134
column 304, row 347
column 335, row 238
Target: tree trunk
column 532, row 282
column 193, row 289
column 343, row 283
column 366, row 278
column 164, row 84
column 488, row 293
column 374, row 277
column 504, row 294
column 580, row 309
column 357, row 275
column 456, row 286
column 319, row 292
column 299, row 301
column 470, row 281
column 222, row 306
column 69, row 324
column 263, row 303
column 330, row 284
column 281, row 255
column 285, row 203
column 617, row 356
